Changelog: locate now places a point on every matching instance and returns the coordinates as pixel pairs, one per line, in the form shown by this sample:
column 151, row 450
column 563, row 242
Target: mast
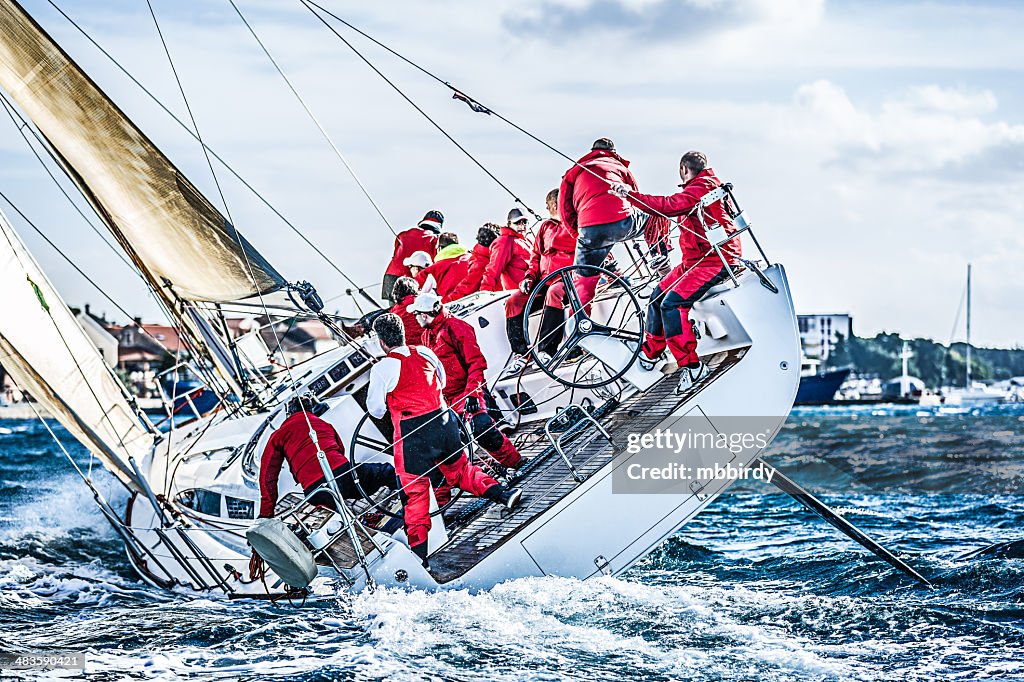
column 968, row 386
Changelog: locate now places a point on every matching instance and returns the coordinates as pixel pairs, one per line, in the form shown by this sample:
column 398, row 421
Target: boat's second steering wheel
column 362, row 441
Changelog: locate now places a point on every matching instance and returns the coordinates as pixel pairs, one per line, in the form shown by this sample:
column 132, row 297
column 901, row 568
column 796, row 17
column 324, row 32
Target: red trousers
column 668, row 313
column 421, row 444
column 491, row 439
column 553, row 297
column 460, row 473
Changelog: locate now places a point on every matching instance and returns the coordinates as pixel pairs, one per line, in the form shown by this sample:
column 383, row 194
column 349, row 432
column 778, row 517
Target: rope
column 313, row 118
column 462, row 97
column 213, row 152
column 310, row 4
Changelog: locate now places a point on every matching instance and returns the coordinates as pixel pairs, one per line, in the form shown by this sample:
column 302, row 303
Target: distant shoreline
column 22, row 411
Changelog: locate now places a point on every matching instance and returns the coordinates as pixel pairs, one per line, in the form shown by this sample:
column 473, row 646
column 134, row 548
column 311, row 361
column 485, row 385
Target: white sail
column 45, row 350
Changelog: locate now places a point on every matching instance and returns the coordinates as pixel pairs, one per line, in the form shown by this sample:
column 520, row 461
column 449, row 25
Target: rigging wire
column 229, row 167
column 104, row 409
column 227, row 209
column 471, row 102
column 959, row 311
column 308, row 4
column 402, row 95
column 313, row 118
column 79, row 270
column 328, row 473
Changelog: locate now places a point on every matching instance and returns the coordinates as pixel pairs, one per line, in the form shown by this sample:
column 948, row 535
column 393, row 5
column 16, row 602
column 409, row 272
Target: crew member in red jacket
column 449, row 269
column 668, row 322
column 405, row 293
column 408, row 383
column 509, row 254
column 291, row 443
column 423, row 237
column 454, row 343
column 601, row 218
column 553, row 248
column 478, row 260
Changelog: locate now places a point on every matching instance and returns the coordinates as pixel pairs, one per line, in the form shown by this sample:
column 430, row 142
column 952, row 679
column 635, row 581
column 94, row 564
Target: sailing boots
column 509, row 497
column 420, row 550
column 692, row 375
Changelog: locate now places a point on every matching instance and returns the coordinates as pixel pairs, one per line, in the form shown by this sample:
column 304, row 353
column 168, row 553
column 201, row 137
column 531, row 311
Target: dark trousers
column 423, row 443
column 387, row 287
column 372, row 477
column 594, row 245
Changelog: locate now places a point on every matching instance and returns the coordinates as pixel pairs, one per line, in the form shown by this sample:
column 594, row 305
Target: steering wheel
column 610, row 315
column 362, row 441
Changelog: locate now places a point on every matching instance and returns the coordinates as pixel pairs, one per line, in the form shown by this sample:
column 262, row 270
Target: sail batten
column 177, row 237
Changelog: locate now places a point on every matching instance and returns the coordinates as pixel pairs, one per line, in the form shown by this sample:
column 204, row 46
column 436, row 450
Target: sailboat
column 972, row 393
column 192, row 486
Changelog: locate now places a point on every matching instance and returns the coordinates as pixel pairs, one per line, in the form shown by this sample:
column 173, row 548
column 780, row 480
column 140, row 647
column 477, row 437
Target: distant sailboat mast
column 968, row 386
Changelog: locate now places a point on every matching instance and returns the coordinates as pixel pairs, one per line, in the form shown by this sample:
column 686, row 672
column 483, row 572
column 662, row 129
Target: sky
column 878, row 147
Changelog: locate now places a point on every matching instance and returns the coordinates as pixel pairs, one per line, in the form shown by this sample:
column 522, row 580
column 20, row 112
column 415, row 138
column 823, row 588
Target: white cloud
column 925, row 129
column 874, row 165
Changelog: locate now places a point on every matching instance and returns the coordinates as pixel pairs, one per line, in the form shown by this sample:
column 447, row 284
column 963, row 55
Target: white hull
column 587, row 532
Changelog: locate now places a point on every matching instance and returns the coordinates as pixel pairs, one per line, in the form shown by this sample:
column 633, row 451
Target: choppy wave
column 754, row 588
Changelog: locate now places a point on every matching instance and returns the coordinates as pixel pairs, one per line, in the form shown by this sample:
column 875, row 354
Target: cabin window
column 203, row 501
column 239, row 508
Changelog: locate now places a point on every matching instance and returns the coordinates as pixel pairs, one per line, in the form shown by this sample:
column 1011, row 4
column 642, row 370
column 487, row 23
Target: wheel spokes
column 575, row 304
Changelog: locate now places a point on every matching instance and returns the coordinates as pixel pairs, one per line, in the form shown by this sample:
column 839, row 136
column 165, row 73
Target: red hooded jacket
column 291, row 443
column 407, row 243
column 553, row 248
column 507, row 265
column 449, row 273
column 454, row 342
column 691, row 235
column 584, row 200
column 413, row 330
column 479, row 257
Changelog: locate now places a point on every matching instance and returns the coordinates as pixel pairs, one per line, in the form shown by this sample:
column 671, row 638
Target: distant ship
column 817, row 389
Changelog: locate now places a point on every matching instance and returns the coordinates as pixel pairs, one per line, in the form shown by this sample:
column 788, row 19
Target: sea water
column 756, row 588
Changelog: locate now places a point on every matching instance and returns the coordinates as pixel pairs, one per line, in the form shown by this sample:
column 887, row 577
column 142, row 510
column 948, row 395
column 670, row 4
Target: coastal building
column 96, row 328
column 820, row 333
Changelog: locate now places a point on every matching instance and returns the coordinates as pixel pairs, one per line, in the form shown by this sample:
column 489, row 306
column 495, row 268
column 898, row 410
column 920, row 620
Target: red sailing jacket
column 478, row 259
column 694, row 246
column 584, row 200
column 454, row 343
column 553, row 248
column 413, row 330
column 407, row 243
column 450, row 274
column 507, row 266
column 418, row 391
column 291, row 443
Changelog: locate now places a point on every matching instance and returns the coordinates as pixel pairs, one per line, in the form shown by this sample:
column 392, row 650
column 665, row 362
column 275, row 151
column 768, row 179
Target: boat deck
column 477, row 528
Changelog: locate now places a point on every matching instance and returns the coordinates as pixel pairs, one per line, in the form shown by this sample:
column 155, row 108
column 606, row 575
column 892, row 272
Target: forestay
column 172, row 232
column 45, row 349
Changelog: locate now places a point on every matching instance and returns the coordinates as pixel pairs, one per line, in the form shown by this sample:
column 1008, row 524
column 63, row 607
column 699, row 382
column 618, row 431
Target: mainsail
column 180, row 242
column 45, row 349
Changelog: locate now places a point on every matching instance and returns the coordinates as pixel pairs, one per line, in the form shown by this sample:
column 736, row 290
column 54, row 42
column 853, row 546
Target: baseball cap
column 420, row 259
column 433, row 220
column 427, row 302
column 515, row 215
